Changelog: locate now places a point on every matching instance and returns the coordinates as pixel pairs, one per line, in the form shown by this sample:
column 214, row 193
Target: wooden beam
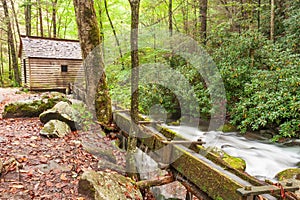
column 266, row 189
column 155, row 182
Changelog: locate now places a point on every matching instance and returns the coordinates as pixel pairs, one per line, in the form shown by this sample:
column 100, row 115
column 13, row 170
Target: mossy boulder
column 100, row 185
column 75, row 115
column 32, row 107
column 234, row 162
column 288, row 174
column 55, row 128
column 292, row 176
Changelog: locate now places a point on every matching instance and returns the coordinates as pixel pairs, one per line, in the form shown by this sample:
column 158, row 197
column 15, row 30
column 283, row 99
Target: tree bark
column 101, row 22
column 95, row 78
column 40, row 13
column 272, row 21
column 258, row 14
column 114, row 32
column 171, row 17
column 54, row 5
column 132, row 140
column 16, row 17
column 11, row 44
column 135, row 5
column 203, row 19
column 28, row 17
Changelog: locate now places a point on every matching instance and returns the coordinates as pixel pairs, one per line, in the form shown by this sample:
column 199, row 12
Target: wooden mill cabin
column 48, row 63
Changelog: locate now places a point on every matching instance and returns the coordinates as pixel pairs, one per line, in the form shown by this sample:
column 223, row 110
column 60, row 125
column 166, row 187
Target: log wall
column 45, row 73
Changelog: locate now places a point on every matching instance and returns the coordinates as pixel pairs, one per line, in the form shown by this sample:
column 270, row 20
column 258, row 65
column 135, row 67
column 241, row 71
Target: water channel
column 263, row 158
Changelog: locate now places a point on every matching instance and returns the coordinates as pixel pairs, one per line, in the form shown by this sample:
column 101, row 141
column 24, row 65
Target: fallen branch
column 157, row 182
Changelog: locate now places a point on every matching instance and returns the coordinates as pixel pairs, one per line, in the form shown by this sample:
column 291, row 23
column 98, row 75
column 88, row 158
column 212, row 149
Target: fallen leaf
column 49, row 184
column 33, row 145
column 63, row 177
column 17, row 186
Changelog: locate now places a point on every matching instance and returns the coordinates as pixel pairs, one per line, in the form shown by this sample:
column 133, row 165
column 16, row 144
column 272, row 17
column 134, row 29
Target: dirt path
column 45, row 168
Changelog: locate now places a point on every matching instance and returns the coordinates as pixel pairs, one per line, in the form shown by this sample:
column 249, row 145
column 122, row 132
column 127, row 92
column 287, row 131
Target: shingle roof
column 50, row 48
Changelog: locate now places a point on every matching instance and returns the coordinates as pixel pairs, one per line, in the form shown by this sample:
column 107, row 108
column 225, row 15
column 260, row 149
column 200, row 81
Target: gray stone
column 61, row 111
column 101, row 185
column 55, row 128
column 76, row 115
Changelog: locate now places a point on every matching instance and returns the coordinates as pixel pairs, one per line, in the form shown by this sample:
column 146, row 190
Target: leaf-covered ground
column 38, row 167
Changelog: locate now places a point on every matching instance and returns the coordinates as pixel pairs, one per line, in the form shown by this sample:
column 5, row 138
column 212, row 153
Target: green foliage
column 83, row 116
column 291, row 24
column 271, row 99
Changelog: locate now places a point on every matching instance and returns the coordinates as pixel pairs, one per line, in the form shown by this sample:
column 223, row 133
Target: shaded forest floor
column 38, row 167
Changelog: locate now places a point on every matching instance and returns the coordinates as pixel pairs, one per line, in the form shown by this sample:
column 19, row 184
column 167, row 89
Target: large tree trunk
column 101, row 21
column 11, row 44
column 95, row 78
column 135, row 5
column 28, row 17
column 203, row 19
column 132, row 140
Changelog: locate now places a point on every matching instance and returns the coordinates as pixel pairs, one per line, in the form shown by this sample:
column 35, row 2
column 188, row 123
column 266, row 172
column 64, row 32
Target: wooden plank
column 257, row 190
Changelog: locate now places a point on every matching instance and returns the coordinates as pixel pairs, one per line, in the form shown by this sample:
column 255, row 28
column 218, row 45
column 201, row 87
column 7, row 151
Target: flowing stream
column 263, row 159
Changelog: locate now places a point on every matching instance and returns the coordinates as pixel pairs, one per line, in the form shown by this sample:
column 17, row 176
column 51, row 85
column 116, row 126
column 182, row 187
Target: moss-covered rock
column 292, row 176
column 55, row 128
column 75, row 115
column 32, row 108
column 101, row 185
column 288, row 174
column 234, row 162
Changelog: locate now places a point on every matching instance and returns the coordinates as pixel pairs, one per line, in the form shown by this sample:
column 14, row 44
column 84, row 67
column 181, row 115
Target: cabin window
column 64, row 68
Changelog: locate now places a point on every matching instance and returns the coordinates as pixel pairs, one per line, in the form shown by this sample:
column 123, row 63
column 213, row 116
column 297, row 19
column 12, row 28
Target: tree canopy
column 255, row 45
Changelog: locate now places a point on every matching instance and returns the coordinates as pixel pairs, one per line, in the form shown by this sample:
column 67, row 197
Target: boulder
column 61, row 111
column 288, row 174
column 55, row 128
column 75, row 115
column 32, row 107
column 100, row 185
